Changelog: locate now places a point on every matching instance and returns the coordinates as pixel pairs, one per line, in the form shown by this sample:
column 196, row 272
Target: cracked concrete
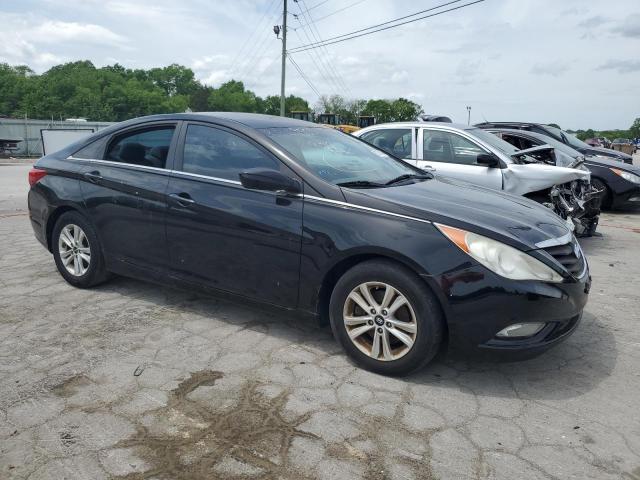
column 132, row 381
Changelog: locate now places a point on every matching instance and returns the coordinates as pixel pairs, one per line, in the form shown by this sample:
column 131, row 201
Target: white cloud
column 621, row 66
column 52, row 31
column 554, row 69
column 508, row 59
column 399, row 77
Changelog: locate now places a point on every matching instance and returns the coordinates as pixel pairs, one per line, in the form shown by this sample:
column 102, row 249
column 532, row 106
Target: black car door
column 226, row 236
column 124, row 193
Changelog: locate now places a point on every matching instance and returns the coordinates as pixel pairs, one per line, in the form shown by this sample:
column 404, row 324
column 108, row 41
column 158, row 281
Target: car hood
column 605, row 162
column 533, row 177
column 512, row 219
column 607, row 152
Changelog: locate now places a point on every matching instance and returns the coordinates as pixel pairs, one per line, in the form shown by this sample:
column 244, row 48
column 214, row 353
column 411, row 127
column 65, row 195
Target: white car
column 476, row 156
column 469, row 154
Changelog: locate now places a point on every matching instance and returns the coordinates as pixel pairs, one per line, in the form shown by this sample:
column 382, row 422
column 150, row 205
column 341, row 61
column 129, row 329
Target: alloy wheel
column 380, row 321
column 75, row 253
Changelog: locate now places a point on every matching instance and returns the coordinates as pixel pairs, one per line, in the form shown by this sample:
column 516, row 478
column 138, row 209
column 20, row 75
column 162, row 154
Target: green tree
column 404, row 110
column 232, row 97
column 381, row 109
column 174, row 79
column 634, row 130
column 271, row 104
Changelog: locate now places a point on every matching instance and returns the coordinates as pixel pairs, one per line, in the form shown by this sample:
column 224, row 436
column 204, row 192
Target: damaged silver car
column 476, row 156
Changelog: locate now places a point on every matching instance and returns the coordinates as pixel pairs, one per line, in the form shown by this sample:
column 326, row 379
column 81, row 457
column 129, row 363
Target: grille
column 569, row 256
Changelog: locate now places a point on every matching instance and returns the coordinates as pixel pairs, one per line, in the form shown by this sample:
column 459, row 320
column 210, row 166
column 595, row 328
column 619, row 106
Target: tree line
column 114, row 93
column 632, row 132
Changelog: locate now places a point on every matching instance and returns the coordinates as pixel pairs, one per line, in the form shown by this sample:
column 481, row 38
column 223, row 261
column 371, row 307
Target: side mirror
column 487, row 160
column 270, row 181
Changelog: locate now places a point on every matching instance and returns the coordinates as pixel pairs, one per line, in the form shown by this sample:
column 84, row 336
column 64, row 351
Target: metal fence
column 29, row 131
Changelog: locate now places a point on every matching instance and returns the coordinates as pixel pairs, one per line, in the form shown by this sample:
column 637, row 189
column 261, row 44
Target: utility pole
column 284, row 56
column 468, row 115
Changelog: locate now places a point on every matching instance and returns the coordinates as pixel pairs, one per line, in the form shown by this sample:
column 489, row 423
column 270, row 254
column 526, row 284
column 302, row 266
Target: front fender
column 334, row 236
column 533, row 177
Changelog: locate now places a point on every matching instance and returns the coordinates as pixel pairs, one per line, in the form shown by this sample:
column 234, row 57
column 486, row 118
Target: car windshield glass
column 571, row 140
column 339, row 158
column 544, row 139
column 493, row 140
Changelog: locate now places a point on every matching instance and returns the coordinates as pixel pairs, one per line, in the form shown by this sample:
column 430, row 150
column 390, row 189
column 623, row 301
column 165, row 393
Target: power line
column 394, row 20
column 321, row 66
column 316, row 5
column 316, row 34
column 261, row 44
column 329, row 81
column 303, row 76
column 259, row 26
column 334, row 12
column 350, row 36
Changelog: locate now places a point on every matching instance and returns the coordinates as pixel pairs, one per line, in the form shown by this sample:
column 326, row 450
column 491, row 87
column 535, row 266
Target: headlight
column 632, row 177
column 502, row 259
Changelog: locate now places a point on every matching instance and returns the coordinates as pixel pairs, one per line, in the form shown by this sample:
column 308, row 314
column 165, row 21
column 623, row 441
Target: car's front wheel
column 386, row 318
column 77, row 251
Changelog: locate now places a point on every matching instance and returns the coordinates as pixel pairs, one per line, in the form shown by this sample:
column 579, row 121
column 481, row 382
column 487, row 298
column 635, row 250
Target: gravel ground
column 132, row 380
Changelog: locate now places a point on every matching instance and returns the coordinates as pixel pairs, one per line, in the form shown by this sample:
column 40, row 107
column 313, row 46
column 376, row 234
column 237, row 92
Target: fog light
column 634, row 199
column 520, row 330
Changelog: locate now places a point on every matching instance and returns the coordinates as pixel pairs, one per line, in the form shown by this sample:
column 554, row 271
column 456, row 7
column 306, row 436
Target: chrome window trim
column 552, row 242
column 340, row 204
column 110, row 162
column 145, row 167
column 312, row 198
column 206, row 177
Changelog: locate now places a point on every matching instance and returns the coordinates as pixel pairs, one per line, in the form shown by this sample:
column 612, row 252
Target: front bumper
column 476, row 311
column 629, row 198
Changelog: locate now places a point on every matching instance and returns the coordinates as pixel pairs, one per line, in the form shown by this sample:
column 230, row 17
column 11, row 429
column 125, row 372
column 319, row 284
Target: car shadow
column 570, row 369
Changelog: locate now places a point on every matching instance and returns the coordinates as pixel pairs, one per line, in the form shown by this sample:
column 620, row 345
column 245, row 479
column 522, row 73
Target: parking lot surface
column 132, row 380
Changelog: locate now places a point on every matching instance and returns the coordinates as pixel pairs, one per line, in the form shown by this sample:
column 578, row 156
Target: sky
column 571, row 62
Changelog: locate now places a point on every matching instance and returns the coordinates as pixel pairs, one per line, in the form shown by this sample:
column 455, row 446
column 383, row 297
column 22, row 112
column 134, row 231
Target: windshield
column 337, row 157
column 493, row 140
column 570, row 139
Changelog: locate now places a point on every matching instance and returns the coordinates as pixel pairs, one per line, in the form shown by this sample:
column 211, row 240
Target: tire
column 605, row 196
column 74, row 240
column 421, row 314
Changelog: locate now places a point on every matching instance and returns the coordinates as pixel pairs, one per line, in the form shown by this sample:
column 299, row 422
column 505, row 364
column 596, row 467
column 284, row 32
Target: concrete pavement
column 131, row 380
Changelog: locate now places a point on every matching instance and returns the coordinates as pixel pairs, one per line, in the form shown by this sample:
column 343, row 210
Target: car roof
column 458, row 126
column 259, row 120
column 516, row 131
column 251, row 120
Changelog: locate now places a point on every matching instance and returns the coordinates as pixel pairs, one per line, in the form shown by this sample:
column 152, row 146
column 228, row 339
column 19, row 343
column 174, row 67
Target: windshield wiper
column 361, row 184
column 407, row 176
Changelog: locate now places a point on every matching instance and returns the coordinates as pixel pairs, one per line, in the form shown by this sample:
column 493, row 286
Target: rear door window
column 147, row 147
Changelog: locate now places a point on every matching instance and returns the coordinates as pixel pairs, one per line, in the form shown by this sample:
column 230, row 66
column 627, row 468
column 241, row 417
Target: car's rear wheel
column 77, row 251
column 386, row 318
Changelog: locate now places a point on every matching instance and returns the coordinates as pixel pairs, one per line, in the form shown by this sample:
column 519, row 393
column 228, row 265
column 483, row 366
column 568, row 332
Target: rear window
column 93, row 150
column 147, row 148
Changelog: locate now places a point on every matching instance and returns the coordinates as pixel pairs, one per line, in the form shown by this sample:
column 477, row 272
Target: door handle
column 93, row 177
column 183, row 199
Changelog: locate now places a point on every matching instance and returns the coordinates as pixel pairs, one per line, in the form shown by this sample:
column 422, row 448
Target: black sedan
column 561, row 136
column 619, row 182
column 306, row 218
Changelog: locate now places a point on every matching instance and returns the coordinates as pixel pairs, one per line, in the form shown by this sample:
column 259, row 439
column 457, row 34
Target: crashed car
column 618, row 183
column 473, row 155
column 561, row 136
